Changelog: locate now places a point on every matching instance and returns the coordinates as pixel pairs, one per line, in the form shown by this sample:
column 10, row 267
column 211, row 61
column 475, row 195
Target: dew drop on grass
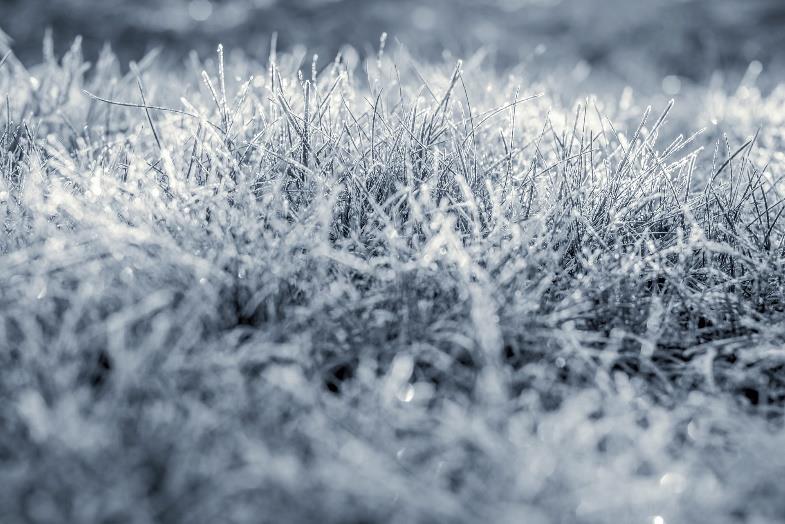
column 127, row 274
column 406, row 393
column 626, row 100
column 671, row 85
column 581, row 71
column 673, row 482
column 200, row 10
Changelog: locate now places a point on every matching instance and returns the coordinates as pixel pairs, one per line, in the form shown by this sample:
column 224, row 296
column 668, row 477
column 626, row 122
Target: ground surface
column 386, row 291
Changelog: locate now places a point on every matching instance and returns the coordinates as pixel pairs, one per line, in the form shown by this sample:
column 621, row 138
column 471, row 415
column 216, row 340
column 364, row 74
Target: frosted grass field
column 386, row 290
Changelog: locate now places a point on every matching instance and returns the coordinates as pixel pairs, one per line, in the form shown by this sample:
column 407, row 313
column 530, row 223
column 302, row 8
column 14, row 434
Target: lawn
column 381, row 288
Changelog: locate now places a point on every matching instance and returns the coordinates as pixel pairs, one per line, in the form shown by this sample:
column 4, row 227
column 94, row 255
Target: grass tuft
column 396, row 292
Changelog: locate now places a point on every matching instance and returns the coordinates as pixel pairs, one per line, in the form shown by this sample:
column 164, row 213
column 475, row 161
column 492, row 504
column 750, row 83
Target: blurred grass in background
column 628, row 39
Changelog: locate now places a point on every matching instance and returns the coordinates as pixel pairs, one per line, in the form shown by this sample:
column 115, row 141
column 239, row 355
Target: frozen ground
column 387, row 290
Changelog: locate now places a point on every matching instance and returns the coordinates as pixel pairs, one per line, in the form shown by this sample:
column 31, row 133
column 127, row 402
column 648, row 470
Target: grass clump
column 399, row 292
